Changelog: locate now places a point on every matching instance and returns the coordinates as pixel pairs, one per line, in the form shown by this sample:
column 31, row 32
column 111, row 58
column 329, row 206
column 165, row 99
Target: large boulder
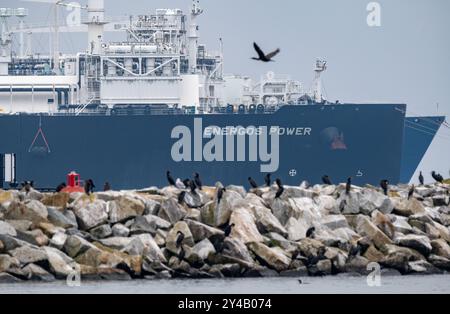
column 422, row 267
column 124, row 208
column 35, row 237
column 101, row 232
column 120, row 230
column 171, row 239
column 58, row 200
column 405, row 207
column 272, row 257
column 350, row 204
column 157, row 223
column 60, row 264
column 33, row 211
column 398, row 258
column 334, row 222
column 441, row 248
column 266, row 221
column 91, row 215
column 76, row 245
column 419, row 243
column 62, row 218
column 365, row 227
column 237, row 249
column 29, row 254
column 201, row 231
column 171, row 211
column 116, row 243
column 224, row 209
column 37, row 273
column 58, row 240
column 6, row 228
column 245, row 227
column 21, row 225
column 203, row 249
column 7, row 262
column 373, row 200
column 296, row 229
column 145, row 245
column 141, row 225
column 401, row 224
column 327, row 204
column 196, row 200
column 310, row 248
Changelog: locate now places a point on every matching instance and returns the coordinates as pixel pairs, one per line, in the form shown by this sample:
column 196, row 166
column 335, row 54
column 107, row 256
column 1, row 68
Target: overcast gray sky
column 405, row 60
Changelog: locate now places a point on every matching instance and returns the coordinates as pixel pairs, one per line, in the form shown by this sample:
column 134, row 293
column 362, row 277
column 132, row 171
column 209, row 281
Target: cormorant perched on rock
column 252, row 182
column 411, row 192
column 197, row 181
column 89, row 186
column 355, row 250
column 228, row 229
column 180, row 238
column 384, row 184
column 326, row 180
column 191, row 185
column 267, row 179
column 170, row 179
column 437, row 177
column 264, row 57
column 280, row 188
column 186, row 182
column 107, row 187
column 310, row 232
column 182, row 254
column 60, row 187
column 27, row 185
column 181, row 197
column 421, row 179
column 348, row 186
column 220, row 192
column 279, row 183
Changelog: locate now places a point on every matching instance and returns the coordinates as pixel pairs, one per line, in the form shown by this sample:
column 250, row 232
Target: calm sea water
column 328, row 285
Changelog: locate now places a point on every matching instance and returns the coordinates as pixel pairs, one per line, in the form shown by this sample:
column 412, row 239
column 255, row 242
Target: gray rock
column 119, row 230
column 238, row 189
column 91, row 215
column 334, row 222
column 350, row 204
column 22, row 225
column 226, row 206
column 272, row 257
column 152, row 207
column 357, row 264
column 419, row 243
column 35, row 237
column 196, row 200
column 157, row 223
column 263, row 272
column 101, row 232
column 36, row 273
column 171, row 211
column 124, row 208
column 10, row 243
column 295, row 273
column 237, row 249
column 244, row 226
column 32, row 211
column 327, row 205
column 59, row 219
column 141, row 225
column 7, row 278
column 58, row 240
column 201, row 231
column 229, row 270
column 440, row 200
column 371, row 200
column 365, row 227
column 441, row 248
column 6, row 228
column 76, row 245
column 29, row 254
column 440, row 262
column 296, row 229
column 117, row 243
column 60, row 264
column 7, row 262
column 401, row 224
column 324, row 267
column 203, row 249
column 404, row 207
column 266, row 221
column 172, row 237
column 423, row 267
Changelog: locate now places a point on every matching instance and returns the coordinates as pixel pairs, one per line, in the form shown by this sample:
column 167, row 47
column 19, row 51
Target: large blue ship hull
column 419, row 133
column 362, row 141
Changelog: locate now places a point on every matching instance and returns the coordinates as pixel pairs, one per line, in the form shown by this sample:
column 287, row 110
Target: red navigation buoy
column 73, row 183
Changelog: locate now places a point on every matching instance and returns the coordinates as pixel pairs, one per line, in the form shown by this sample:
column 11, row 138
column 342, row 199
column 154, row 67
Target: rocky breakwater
column 156, row 233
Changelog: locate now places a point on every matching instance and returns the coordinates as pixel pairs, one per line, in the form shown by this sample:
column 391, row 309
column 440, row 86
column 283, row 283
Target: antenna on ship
column 321, row 66
column 196, row 10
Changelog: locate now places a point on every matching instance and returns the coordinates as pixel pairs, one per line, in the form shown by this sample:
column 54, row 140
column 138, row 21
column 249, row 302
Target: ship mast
column 321, row 66
column 193, row 36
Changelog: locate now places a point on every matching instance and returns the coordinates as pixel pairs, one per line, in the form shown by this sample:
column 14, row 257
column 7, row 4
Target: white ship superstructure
column 159, row 62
